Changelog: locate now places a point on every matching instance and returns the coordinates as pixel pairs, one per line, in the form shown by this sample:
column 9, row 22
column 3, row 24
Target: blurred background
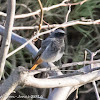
column 78, row 38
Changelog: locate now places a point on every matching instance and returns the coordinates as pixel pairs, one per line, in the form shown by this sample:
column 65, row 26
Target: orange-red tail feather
column 39, row 61
column 34, row 67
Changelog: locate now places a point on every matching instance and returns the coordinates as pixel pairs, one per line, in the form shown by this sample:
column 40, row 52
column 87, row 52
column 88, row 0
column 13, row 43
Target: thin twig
column 69, row 10
column 94, row 83
column 70, row 23
column 97, row 52
column 96, row 90
column 41, row 17
column 80, row 63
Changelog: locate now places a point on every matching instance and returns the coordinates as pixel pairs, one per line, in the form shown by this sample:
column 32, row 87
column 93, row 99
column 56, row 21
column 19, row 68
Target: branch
column 22, row 76
column 7, row 36
column 9, row 85
column 62, row 82
column 81, row 63
column 63, row 3
column 67, row 24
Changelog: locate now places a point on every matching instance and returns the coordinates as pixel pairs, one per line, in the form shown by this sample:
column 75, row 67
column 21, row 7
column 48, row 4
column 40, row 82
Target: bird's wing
column 38, row 55
column 53, row 47
column 51, row 44
column 48, row 46
column 44, row 44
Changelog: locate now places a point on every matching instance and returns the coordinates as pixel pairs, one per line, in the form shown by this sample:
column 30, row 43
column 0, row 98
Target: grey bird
column 52, row 48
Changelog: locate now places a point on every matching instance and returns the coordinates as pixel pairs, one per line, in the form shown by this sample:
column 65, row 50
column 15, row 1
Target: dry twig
column 41, row 17
column 70, row 23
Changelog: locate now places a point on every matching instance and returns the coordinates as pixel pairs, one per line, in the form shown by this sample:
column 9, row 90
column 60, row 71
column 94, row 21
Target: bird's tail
column 39, row 61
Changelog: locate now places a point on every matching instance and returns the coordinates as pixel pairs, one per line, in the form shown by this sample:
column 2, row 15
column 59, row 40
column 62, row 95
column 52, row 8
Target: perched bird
column 52, row 48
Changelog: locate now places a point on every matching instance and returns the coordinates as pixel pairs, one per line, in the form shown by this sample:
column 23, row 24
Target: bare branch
column 7, row 36
column 70, row 23
column 23, row 76
column 81, row 63
column 63, row 3
column 9, row 85
column 3, row 14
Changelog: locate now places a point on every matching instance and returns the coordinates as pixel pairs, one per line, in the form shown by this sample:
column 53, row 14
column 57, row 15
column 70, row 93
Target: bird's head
column 58, row 33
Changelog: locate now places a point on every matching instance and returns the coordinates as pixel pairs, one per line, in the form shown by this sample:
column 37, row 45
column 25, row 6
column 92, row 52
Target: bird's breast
column 53, row 57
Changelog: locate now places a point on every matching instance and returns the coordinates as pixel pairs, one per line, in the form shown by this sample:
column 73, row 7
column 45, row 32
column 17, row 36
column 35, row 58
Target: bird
column 52, row 48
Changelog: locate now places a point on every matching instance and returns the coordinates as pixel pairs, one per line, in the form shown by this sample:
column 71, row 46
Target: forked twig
column 92, row 66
